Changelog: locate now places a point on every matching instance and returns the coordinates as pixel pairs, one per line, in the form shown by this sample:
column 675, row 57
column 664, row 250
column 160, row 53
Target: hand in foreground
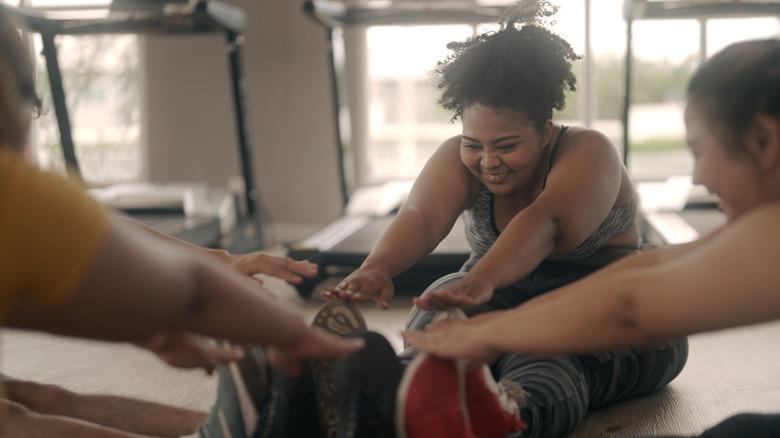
column 362, row 285
column 453, row 340
column 316, row 344
column 285, row 268
column 188, row 350
column 463, row 293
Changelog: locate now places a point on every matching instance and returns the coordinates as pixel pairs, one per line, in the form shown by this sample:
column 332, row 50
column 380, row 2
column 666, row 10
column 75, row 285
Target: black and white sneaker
column 341, row 318
column 367, row 382
column 259, row 401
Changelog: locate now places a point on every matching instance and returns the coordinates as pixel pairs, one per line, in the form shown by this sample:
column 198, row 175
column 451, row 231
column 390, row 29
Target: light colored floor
column 728, row 372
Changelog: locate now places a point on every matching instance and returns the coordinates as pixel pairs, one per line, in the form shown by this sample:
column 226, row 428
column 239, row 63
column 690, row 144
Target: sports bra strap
column 552, row 154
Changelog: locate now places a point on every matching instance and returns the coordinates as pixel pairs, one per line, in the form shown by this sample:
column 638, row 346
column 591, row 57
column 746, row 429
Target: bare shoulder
column 451, row 145
column 762, row 219
column 445, row 165
column 583, row 151
column 771, row 210
column 446, row 158
column 581, row 139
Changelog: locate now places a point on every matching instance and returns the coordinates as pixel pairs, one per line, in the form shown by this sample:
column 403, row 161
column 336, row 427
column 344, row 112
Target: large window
column 406, row 124
column 100, row 80
column 666, row 53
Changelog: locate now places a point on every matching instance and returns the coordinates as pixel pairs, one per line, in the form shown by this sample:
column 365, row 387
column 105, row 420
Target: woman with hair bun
column 543, row 204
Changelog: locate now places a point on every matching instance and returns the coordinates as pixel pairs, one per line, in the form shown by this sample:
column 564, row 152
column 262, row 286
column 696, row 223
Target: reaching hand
column 466, row 292
column 251, row 264
column 188, row 350
column 362, row 285
column 454, row 340
column 316, row 344
column 285, row 268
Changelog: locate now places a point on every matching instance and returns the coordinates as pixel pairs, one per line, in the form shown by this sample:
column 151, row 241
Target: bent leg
column 115, row 412
column 559, row 390
column 631, row 372
column 556, row 391
column 418, row 319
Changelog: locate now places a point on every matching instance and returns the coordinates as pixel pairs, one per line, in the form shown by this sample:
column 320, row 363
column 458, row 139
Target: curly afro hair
column 523, row 66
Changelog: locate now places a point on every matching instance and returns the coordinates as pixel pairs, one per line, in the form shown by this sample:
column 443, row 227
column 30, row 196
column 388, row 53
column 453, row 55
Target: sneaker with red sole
column 430, row 401
column 493, row 413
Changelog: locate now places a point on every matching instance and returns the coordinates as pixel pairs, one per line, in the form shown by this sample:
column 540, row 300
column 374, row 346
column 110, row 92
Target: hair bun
column 538, row 12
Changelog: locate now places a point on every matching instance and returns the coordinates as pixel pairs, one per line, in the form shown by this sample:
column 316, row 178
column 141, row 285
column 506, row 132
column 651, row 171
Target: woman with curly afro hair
column 726, row 278
column 543, row 205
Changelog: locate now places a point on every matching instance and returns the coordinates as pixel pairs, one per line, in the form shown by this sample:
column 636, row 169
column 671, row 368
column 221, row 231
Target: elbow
column 196, row 296
column 627, row 313
column 187, row 296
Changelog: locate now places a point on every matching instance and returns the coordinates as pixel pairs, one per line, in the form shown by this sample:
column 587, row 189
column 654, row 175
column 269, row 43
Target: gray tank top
column 482, row 232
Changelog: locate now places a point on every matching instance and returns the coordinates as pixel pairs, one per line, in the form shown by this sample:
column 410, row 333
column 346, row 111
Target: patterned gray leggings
column 560, row 389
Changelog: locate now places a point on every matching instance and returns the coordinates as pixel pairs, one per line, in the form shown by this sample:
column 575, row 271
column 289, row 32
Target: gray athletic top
column 481, row 230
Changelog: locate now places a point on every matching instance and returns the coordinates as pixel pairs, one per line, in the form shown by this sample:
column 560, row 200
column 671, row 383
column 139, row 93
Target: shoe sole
column 340, row 318
column 406, row 382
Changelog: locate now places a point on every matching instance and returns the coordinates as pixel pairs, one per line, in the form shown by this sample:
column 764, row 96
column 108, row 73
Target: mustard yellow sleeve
column 50, row 232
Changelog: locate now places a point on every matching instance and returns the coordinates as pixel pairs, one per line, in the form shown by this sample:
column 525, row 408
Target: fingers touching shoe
column 316, row 344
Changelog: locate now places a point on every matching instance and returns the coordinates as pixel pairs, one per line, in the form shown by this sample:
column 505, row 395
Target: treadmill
column 202, row 216
column 343, row 245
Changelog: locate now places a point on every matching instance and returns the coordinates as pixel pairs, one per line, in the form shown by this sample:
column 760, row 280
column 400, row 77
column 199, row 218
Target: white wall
column 189, row 125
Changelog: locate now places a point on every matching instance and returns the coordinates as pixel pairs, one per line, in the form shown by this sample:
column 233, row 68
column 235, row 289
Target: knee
column 36, row 396
column 445, row 281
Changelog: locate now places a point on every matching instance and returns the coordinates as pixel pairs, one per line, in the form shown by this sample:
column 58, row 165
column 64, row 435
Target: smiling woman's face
column 501, row 148
column 732, row 175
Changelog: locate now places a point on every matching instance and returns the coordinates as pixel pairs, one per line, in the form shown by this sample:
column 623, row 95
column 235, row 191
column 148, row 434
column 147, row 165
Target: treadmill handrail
column 667, row 10
column 206, row 17
column 335, row 14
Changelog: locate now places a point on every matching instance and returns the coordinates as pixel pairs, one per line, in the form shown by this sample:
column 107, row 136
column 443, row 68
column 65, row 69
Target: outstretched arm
column 582, row 187
column 139, row 285
column 250, row 264
column 728, row 280
column 438, row 196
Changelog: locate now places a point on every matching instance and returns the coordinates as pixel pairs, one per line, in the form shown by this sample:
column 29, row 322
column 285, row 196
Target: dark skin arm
column 292, row 271
column 655, row 295
column 581, row 189
column 139, row 286
column 422, row 223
